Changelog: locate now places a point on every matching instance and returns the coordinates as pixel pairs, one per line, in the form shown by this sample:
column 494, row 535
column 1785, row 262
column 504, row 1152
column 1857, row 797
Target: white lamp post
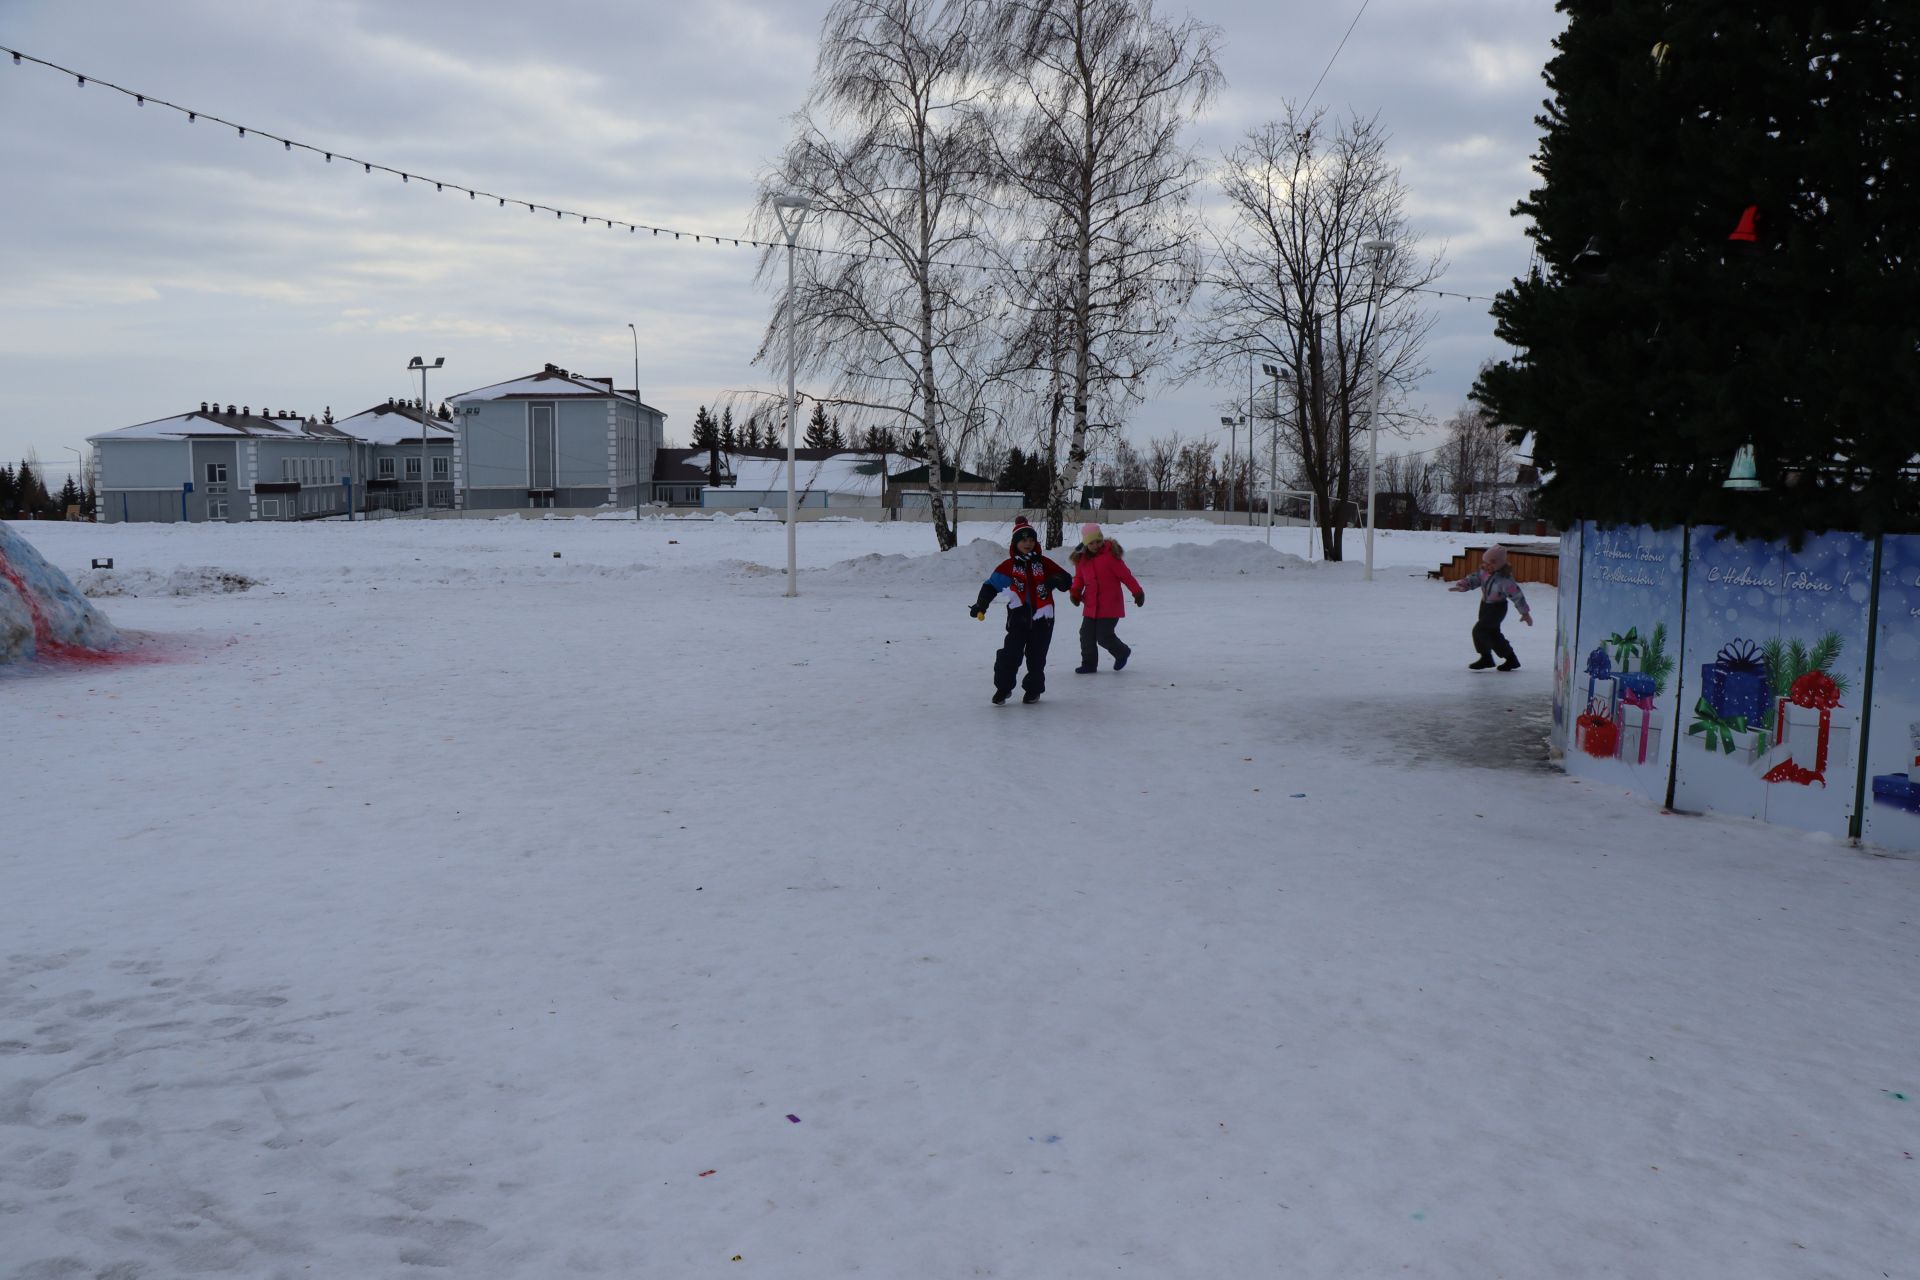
column 792, row 211
column 1379, row 249
column 638, row 418
column 1273, row 460
column 423, row 366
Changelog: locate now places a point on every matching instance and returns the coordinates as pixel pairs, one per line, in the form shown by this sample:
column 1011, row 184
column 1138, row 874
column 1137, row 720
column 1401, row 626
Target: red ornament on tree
column 1746, row 232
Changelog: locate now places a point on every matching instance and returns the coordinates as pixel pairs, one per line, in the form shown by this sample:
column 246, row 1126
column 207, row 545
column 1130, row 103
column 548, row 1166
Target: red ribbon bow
column 1815, row 689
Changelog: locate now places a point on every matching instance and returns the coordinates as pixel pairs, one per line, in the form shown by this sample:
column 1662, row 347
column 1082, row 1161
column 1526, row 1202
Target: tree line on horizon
column 24, row 495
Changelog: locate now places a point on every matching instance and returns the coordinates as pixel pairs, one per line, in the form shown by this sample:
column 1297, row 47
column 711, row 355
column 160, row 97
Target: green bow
column 1712, row 723
column 1626, row 646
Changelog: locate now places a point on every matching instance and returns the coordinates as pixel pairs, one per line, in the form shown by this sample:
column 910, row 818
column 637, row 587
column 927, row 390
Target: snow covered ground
column 437, row 906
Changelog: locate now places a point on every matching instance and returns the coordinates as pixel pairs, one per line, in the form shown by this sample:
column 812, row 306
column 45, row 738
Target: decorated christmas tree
column 1723, row 235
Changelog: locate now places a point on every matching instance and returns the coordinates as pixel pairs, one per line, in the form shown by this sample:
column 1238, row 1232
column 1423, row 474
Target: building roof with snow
column 394, row 423
column 211, row 422
column 553, row 383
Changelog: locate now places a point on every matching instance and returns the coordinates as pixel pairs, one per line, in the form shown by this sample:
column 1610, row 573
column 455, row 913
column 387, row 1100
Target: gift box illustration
column 1603, row 683
column 1723, row 735
column 1899, row 790
column 1628, row 647
column 1596, row 733
column 1737, row 683
column 1902, row 790
column 1812, row 736
column 1639, row 730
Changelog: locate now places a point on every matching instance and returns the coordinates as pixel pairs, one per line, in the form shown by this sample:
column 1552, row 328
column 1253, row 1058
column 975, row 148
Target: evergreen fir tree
column 728, row 440
column 9, row 493
column 819, row 434
column 70, row 497
column 706, row 433
column 753, row 438
column 1723, row 238
column 31, row 496
column 835, row 440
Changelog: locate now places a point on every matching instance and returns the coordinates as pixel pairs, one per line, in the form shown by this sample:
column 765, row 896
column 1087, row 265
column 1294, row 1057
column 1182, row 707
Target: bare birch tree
column 1295, row 289
column 1093, row 155
column 892, row 152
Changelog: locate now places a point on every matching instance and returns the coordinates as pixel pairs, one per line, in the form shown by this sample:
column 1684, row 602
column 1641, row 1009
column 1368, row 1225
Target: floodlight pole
column 1379, row 249
column 797, row 206
column 423, row 366
column 637, row 419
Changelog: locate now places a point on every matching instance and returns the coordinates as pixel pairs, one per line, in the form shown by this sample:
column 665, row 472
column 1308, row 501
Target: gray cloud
column 155, row 264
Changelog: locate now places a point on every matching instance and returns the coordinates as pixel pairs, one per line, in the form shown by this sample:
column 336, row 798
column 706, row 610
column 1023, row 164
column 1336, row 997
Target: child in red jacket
column 1028, row 580
column 1099, row 573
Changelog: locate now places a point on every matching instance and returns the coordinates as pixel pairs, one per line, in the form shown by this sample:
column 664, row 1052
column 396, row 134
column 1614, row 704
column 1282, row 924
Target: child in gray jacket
column 1495, row 580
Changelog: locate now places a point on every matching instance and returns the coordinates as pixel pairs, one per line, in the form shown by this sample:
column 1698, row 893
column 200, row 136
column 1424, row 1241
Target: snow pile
column 1223, row 559
column 965, row 565
column 41, row 613
column 202, row 581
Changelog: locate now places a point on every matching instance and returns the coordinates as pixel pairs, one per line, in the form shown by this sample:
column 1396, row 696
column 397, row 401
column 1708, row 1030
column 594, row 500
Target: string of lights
column 445, row 185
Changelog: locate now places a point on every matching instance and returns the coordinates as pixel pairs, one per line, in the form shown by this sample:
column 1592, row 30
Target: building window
column 413, row 468
column 216, row 473
column 442, row 468
column 217, row 510
column 386, row 468
column 270, row 508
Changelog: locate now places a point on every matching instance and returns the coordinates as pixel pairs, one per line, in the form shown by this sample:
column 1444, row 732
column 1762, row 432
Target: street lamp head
column 1270, row 370
column 1226, row 422
column 792, row 202
column 1378, row 248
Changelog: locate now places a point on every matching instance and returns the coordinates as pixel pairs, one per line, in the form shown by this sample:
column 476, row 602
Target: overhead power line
column 560, row 213
column 1336, row 55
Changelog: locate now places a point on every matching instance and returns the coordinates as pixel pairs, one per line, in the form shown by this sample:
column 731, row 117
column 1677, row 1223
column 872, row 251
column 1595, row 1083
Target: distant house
column 680, row 474
column 223, row 465
column 553, row 439
column 391, row 457
column 907, row 489
column 822, row 478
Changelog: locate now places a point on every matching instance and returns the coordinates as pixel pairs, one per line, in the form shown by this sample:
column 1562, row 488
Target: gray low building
column 393, row 457
column 553, row 439
column 222, row 465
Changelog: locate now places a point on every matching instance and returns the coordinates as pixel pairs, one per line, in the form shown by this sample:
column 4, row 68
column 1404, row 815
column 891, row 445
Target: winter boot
column 1029, row 697
column 1511, row 664
column 1484, row 662
column 1084, row 671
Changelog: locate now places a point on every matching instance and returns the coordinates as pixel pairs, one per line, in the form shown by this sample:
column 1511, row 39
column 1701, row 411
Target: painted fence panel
column 1772, row 679
column 1891, row 817
column 1626, row 658
column 1566, row 624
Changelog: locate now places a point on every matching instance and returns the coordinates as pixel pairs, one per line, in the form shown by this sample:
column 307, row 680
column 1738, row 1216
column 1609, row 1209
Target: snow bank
column 203, row 581
column 1223, row 559
column 965, row 565
column 41, row 613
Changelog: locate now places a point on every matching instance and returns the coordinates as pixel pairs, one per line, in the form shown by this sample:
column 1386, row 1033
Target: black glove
column 978, row 612
column 979, row 606
column 1139, row 598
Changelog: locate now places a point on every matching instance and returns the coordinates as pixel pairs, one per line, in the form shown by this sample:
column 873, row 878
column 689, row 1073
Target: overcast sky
column 148, row 264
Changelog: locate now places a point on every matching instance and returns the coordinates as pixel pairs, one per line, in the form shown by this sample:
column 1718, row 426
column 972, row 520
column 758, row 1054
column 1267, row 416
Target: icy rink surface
column 440, row 907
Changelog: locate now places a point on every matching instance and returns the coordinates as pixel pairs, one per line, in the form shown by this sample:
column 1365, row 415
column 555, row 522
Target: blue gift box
column 1898, row 790
column 1603, row 682
column 1735, row 683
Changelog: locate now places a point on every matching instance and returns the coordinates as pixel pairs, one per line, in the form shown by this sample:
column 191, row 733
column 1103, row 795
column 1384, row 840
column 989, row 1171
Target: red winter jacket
column 1098, row 577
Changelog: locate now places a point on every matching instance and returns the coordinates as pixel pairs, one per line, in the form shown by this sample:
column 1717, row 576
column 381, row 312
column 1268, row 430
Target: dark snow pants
column 1486, row 632
column 1027, row 641
column 1100, row 631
